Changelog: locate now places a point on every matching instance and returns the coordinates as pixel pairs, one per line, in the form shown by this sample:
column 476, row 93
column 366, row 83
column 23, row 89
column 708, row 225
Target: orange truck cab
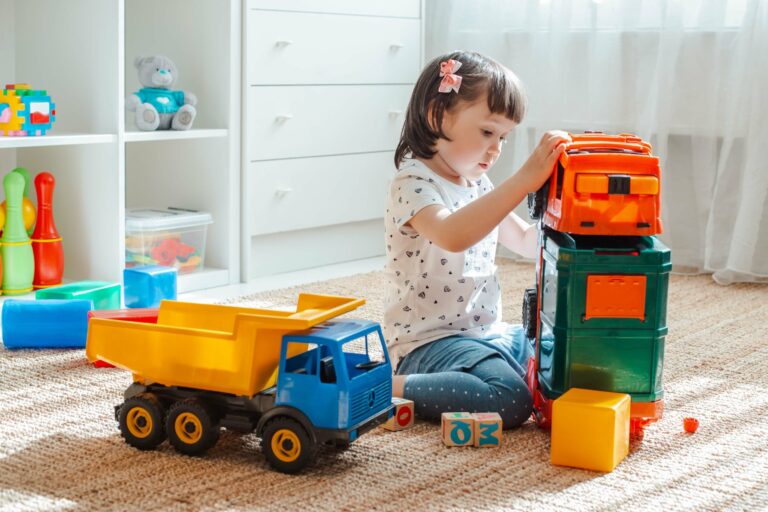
column 602, row 185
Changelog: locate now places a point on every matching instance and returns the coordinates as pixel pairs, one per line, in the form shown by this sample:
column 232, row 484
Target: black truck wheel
column 286, row 445
column 141, row 421
column 530, row 306
column 191, row 426
column 537, row 202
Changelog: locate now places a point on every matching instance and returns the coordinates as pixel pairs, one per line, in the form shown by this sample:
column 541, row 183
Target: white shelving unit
column 82, row 53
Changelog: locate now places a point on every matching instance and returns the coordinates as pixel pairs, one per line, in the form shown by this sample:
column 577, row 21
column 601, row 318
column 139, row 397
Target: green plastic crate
column 619, row 349
column 103, row 294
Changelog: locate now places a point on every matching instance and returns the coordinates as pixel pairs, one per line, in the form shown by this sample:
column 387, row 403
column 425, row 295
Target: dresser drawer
column 397, row 8
column 306, row 248
column 307, row 192
column 300, row 48
column 299, row 121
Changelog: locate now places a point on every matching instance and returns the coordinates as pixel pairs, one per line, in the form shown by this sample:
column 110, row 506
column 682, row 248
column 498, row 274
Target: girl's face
column 477, row 136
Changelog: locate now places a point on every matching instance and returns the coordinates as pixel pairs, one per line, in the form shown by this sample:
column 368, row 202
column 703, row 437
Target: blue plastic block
column 146, row 286
column 45, row 323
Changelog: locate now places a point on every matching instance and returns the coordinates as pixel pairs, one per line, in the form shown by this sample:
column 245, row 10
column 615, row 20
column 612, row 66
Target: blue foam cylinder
column 45, row 323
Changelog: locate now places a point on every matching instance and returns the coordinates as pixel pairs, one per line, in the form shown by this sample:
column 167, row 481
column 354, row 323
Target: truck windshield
column 363, row 354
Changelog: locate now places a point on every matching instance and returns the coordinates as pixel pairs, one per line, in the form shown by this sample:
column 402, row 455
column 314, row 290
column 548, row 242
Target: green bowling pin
column 26, row 203
column 18, row 261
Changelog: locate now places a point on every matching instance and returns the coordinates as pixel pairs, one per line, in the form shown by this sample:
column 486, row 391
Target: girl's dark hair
column 479, row 75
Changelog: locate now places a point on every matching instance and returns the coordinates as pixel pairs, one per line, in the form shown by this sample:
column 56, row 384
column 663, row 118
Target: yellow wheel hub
column 139, row 422
column 286, row 445
column 188, row 427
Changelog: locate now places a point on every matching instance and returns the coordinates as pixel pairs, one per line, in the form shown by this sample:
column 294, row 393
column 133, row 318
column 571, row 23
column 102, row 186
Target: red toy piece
column 690, row 425
column 46, row 242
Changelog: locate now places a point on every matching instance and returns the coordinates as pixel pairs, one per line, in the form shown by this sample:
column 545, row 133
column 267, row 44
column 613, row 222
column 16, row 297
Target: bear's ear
column 139, row 61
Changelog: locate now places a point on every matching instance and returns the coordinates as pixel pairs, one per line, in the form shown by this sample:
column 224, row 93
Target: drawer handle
column 282, row 192
column 283, row 43
column 283, row 117
column 396, row 46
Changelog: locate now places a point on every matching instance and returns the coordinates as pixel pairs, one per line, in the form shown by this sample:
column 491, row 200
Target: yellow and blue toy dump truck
column 299, row 380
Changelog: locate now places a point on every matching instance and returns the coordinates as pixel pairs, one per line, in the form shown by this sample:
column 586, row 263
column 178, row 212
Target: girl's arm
column 517, row 235
column 460, row 230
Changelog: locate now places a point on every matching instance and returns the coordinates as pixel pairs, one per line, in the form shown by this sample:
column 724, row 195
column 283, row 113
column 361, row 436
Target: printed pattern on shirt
column 433, row 293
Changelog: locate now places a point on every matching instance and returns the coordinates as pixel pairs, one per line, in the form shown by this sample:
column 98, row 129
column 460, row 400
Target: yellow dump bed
column 218, row 348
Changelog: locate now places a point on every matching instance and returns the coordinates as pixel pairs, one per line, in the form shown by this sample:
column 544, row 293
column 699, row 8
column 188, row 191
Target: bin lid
column 161, row 219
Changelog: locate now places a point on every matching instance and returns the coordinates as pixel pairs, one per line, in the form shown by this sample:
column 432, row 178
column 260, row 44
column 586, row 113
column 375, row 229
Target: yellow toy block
column 590, row 429
column 457, row 428
column 403, row 418
column 487, row 429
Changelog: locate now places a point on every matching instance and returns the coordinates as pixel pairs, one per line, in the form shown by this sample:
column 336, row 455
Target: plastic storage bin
column 171, row 237
column 603, row 314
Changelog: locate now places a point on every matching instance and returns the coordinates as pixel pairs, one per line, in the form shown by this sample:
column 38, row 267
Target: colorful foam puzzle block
column 25, row 111
column 457, row 429
column 590, row 429
column 404, row 415
column 103, row 294
column 147, row 285
column 487, row 429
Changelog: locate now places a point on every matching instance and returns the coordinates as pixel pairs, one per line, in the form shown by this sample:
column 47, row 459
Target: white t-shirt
column 433, row 293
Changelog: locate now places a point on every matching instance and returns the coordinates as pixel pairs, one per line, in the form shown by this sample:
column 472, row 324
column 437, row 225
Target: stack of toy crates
column 597, row 315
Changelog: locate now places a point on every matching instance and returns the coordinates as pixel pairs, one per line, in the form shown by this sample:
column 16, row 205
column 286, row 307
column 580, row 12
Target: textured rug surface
column 60, row 448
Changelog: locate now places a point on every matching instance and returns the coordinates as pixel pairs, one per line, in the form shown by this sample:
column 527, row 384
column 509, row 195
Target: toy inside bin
column 171, row 237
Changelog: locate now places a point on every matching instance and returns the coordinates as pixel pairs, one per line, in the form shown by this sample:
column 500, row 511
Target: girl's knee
column 515, row 405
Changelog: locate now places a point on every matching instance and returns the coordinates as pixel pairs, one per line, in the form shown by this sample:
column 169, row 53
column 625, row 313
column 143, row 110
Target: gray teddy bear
column 157, row 106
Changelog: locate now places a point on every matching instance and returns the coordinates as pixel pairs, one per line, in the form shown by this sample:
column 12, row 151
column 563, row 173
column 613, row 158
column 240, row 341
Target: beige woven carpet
column 60, row 449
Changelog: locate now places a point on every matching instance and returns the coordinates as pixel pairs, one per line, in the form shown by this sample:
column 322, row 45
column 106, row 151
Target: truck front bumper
column 343, row 438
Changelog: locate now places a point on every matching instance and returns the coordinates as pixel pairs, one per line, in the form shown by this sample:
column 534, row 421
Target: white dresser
column 326, row 85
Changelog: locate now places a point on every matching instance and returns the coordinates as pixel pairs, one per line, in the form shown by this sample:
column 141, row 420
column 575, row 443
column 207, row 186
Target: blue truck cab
column 342, row 381
column 335, row 382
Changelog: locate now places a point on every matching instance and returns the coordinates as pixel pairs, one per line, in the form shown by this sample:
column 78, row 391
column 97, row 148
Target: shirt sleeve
column 409, row 195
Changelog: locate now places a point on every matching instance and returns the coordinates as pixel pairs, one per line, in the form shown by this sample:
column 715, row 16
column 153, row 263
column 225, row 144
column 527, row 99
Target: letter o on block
column 404, row 415
column 458, row 429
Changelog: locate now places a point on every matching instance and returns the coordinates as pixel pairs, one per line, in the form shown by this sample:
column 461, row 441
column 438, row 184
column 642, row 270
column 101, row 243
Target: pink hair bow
column 451, row 81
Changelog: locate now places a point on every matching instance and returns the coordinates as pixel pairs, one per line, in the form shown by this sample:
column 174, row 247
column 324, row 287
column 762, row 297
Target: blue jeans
column 457, row 374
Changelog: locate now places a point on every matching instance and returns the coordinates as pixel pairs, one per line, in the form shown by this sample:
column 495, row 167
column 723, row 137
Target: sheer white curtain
column 690, row 76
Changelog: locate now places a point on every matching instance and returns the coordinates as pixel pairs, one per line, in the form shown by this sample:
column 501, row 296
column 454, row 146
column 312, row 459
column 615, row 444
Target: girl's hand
column 537, row 169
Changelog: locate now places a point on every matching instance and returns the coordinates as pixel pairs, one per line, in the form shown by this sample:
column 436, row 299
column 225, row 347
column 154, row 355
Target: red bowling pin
column 46, row 242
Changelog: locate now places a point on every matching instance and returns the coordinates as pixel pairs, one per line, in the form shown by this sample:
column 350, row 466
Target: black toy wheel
column 192, row 428
column 287, row 446
column 141, row 421
column 530, row 306
column 537, row 202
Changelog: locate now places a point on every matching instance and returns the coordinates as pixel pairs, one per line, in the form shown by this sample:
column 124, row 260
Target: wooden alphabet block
column 487, row 429
column 404, row 413
column 457, row 428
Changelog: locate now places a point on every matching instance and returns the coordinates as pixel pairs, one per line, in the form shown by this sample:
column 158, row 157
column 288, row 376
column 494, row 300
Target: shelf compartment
column 208, row 277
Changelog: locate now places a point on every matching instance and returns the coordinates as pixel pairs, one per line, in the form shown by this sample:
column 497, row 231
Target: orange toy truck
column 602, row 185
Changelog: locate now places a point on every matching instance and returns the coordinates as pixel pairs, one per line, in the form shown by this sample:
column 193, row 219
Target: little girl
column 444, row 217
